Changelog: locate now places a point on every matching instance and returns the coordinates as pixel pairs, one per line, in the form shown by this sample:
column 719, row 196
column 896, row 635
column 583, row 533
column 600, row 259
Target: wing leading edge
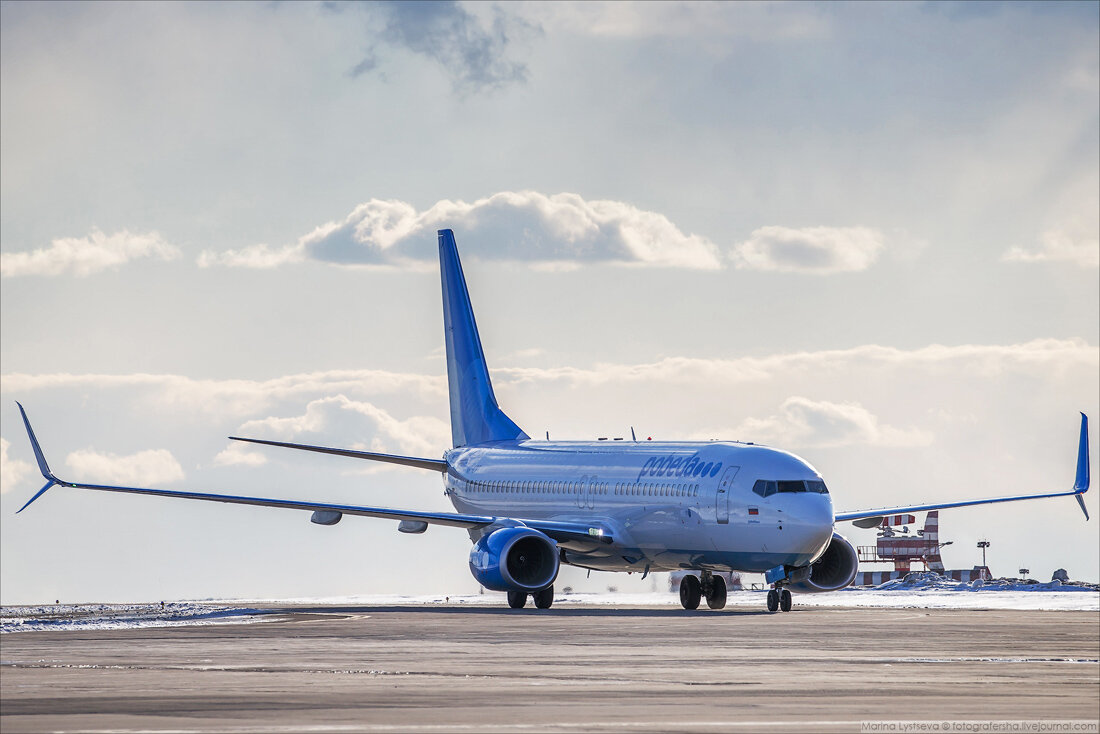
column 1080, row 486
column 559, row 531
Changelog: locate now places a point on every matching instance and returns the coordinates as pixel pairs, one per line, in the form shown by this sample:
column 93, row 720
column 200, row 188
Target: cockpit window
column 766, row 488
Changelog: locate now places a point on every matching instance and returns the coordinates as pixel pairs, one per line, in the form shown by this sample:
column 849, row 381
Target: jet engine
column 834, row 570
column 514, row 559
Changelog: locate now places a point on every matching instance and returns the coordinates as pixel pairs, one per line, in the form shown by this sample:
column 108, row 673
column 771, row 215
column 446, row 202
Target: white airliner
column 638, row 506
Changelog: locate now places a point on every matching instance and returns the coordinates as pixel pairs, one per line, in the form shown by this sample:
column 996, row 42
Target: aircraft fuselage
column 668, row 505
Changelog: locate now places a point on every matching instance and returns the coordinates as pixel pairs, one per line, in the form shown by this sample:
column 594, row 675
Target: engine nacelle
column 834, row 570
column 514, row 559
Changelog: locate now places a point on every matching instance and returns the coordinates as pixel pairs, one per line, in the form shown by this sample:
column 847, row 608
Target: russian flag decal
column 754, row 511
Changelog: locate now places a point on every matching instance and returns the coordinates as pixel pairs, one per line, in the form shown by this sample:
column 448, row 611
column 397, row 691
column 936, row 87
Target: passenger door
column 722, row 497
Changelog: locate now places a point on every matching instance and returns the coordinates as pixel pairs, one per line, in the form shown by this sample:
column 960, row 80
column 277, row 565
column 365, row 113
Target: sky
column 866, row 233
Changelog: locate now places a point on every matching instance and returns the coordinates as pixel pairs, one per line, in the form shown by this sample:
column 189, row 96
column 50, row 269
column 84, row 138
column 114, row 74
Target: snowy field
column 920, row 591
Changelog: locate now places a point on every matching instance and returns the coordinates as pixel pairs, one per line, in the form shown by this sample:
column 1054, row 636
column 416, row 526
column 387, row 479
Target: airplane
column 531, row 505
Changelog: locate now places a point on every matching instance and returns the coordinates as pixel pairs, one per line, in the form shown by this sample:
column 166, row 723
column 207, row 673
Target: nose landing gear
column 779, row 599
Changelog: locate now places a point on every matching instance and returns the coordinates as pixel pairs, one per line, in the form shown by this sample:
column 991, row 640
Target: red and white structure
column 903, row 550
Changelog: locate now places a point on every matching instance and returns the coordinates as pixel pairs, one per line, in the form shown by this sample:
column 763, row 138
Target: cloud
column 470, row 48
column 344, row 423
column 808, row 423
column 559, row 229
column 83, row 256
column 697, row 21
column 1059, row 246
column 815, row 250
column 1043, row 355
column 12, row 471
column 239, row 454
column 238, row 397
column 143, row 469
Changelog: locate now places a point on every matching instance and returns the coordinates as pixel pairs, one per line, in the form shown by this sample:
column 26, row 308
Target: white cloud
column 700, row 21
column 145, row 468
column 556, row 230
column 84, row 256
column 346, row 423
column 12, row 471
column 239, row 397
column 802, row 422
column 238, row 454
column 1045, row 355
column 816, row 250
column 1060, row 246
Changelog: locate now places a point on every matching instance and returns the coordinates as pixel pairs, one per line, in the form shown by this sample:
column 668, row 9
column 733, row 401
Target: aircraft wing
column 871, row 518
column 559, row 531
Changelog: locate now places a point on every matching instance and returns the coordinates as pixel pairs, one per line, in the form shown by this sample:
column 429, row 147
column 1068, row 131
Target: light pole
column 983, row 544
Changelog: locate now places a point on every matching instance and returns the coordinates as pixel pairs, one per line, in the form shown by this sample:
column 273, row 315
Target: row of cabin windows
column 621, row 488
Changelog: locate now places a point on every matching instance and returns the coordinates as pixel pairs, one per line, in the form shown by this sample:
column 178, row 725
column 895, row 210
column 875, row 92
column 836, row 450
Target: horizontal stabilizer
column 433, row 464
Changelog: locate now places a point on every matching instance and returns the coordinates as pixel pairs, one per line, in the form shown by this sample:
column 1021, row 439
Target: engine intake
column 834, row 570
column 514, row 559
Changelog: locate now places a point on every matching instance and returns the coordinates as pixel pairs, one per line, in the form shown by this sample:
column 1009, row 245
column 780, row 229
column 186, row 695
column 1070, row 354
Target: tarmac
column 601, row 669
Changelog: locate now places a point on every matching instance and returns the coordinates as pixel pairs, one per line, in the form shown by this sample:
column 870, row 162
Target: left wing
column 559, row 531
column 871, row 518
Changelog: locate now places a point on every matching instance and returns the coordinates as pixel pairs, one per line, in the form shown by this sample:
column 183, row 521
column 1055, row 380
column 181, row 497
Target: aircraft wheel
column 785, row 600
column 716, row 599
column 773, row 600
column 517, row 599
column 543, row 599
column 690, row 592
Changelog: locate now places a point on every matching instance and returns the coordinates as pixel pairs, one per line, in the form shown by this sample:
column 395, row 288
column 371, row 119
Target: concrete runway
column 600, row 669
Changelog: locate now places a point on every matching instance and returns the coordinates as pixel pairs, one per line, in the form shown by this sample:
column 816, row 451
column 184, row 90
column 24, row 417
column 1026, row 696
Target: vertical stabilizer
column 475, row 416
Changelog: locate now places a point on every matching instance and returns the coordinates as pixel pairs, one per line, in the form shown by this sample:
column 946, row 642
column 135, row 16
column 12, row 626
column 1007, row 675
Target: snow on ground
column 121, row 616
column 917, row 590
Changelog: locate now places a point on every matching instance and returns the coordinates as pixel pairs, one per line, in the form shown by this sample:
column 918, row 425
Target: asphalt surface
column 488, row 669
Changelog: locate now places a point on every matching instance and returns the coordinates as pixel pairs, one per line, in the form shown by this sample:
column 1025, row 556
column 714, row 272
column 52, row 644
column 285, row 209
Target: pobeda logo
column 679, row 465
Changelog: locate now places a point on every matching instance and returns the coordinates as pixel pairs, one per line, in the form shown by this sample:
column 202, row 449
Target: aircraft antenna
column 632, row 436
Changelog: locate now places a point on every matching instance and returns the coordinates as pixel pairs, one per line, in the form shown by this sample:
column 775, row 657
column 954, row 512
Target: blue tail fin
column 475, row 416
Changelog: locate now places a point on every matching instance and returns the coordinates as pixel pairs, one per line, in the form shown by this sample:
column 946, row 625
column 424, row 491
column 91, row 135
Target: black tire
column 716, row 599
column 773, row 600
column 785, row 600
column 517, row 599
column 690, row 592
column 543, row 599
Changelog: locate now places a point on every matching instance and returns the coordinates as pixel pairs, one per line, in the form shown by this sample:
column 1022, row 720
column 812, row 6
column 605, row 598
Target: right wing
column 559, row 531
column 871, row 518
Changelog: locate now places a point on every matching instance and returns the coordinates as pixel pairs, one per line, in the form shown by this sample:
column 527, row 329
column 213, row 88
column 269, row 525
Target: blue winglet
column 1081, row 483
column 40, row 457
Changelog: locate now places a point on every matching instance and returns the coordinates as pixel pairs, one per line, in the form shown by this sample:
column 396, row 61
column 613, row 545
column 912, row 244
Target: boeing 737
column 636, row 506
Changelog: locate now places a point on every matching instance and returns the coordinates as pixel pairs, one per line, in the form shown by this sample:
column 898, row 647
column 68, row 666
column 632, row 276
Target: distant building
column 904, row 550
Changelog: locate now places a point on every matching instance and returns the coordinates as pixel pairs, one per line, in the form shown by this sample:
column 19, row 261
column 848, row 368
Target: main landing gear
column 779, row 599
column 543, row 599
column 694, row 588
